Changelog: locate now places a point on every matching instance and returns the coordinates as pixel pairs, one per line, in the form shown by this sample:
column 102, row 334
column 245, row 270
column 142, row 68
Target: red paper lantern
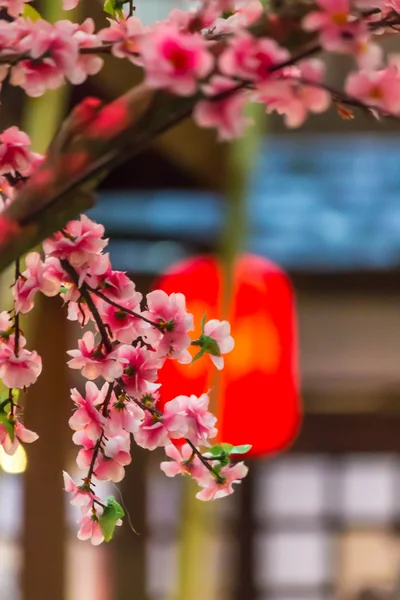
column 258, row 392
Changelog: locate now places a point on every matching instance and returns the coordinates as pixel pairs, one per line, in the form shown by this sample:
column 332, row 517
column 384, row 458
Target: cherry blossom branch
column 91, row 305
column 99, row 442
column 123, row 308
column 341, row 97
column 13, row 58
column 10, row 400
column 85, row 294
column 204, row 461
column 50, row 198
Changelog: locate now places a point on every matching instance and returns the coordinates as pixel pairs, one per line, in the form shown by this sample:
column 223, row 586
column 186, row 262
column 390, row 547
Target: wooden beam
column 339, row 434
column 47, row 411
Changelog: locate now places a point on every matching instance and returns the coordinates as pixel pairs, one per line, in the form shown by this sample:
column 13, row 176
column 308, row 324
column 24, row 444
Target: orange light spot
column 257, row 346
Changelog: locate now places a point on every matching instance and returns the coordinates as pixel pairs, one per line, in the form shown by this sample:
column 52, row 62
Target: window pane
column 10, row 505
column 285, row 559
column 292, row 487
column 369, row 489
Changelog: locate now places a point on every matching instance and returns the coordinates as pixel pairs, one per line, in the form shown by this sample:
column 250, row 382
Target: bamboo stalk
column 200, row 526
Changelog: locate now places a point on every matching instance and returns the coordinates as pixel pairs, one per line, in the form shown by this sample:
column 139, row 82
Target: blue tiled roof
column 316, row 203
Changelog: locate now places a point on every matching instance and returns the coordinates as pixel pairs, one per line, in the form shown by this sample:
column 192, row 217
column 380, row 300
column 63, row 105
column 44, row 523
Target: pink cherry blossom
column 242, row 16
column 125, row 327
column 15, row 156
column 200, row 422
column 79, row 243
column 110, row 463
column 250, row 58
column 175, row 60
column 36, row 77
column 19, row 371
column 93, row 269
column 333, row 18
column 226, row 115
column 90, row 528
column 21, row 434
column 55, row 41
column 170, row 312
column 184, row 462
column 14, row 7
column 117, row 286
column 141, row 368
column 220, row 331
column 38, row 276
column 82, row 496
column 125, row 34
column 70, row 4
column 88, row 416
column 6, row 325
column 380, row 89
column 294, row 93
column 124, row 415
column 212, row 489
column 53, row 52
column 85, row 64
column 156, row 431
column 94, row 361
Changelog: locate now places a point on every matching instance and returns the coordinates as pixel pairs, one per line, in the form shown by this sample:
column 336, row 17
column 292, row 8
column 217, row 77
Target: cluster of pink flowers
column 184, row 55
column 127, row 343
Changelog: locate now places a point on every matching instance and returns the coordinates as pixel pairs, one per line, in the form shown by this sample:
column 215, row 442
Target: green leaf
column 7, row 424
column 243, row 449
column 215, row 450
column 198, row 355
column 227, row 448
column 31, row 13
column 108, row 520
column 210, row 346
column 114, row 7
column 203, row 322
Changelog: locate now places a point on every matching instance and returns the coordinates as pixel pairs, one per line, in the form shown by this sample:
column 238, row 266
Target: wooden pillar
column 130, row 548
column 47, row 409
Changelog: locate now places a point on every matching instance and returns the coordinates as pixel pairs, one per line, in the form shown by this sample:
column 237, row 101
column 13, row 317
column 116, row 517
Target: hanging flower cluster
column 126, row 342
column 220, row 55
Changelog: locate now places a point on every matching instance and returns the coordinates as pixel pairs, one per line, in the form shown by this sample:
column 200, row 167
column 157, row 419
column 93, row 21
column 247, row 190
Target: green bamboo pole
column 197, row 574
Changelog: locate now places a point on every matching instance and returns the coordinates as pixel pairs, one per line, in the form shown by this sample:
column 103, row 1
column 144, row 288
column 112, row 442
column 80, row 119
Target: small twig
column 120, row 307
column 340, row 97
column 16, row 314
column 11, row 400
column 13, row 58
column 99, row 442
column 90, row 304
column 204, row 461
